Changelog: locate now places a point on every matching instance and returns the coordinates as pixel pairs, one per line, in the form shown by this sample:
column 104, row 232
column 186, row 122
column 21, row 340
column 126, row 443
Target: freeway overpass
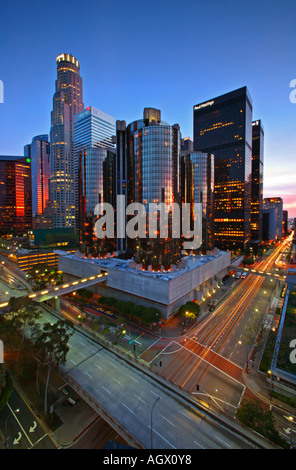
column 56, row 291
column 276, row 276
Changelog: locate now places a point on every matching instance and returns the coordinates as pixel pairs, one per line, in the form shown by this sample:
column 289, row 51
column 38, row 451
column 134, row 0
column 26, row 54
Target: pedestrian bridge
column 57, row 291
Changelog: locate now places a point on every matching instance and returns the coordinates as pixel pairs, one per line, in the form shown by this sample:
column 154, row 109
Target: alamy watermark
column 293, row 92
column 293, row 353
column 1, row 92
column 164, row 221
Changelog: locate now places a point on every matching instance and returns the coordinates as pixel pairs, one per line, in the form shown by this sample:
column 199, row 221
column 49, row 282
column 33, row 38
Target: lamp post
column 6, row 438
column 158, row 398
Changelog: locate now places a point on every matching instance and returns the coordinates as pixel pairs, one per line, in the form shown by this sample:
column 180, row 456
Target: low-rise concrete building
column 194, row 278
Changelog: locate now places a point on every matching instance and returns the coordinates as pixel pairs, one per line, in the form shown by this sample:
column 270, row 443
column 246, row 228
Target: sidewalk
column 258, row 387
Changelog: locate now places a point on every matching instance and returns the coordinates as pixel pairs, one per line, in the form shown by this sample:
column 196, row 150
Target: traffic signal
column 197, row 387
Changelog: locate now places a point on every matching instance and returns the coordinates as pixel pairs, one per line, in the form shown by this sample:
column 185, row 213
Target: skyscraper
column 223, row 127
column 94, row 133
column 197, row 186
column 15, row 195
column 148, row 171
column 93, row 128
column 67, row 101
column 277, row 204
column 257, row 181
column 38, row 152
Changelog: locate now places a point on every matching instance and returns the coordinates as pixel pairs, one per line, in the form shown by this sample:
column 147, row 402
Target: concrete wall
column 194, row 280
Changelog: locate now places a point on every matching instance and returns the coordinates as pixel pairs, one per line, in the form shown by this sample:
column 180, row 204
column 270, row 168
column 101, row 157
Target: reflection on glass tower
column 257, row 181
column 148, row 165
column 223, row 127
column 197, row 186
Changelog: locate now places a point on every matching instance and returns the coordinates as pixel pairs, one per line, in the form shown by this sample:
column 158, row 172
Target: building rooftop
column 188, row 263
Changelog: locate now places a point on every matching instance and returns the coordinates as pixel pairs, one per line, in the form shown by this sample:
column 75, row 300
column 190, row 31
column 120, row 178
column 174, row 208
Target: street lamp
column 158, row 398
column 6, row 438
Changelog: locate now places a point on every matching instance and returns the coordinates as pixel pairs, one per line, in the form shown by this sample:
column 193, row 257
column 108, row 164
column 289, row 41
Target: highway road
column 21, row 427
column 129, row 395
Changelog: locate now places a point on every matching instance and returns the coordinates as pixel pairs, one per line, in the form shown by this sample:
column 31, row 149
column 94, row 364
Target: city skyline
column 179, row 65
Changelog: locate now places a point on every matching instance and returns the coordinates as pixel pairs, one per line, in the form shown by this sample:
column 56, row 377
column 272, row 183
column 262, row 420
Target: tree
column 6, row 386
column 189, row 310
column 41, row 275
column 251, row 413
column 51, row 343
column 22, row 316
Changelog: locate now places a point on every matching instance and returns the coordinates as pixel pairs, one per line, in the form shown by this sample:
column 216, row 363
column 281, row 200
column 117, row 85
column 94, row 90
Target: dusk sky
column 169, row 55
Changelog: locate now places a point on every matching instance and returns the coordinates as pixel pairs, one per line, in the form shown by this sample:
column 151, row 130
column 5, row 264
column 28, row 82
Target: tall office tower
column 223, row 127
column 257, row 181
column 94, row 133
column 38, row 152
column 15, row 195
column 285, row 222
column 148, row 171
column 197, row 186
column 187, row 145
column 123, row 178
column 67, row 101
column 96, row 184
column 277, row 204
column 93, row 128
column 269, row 226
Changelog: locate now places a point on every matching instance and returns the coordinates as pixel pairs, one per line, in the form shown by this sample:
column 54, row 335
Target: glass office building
column 15, row 195
column 38, row 152
column 93, row 128
column 257, row 181
column 67, row 101
column 94, row 133
column 275, row 203
column 96, row 184
column 223, row 127
column 148, row 171
column 197, row 186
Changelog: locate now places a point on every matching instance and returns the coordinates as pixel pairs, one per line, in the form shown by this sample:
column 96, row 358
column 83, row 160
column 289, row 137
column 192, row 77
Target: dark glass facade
column 257, row 181
column 223, row 127
column 148, row 171
column 96, row 184
column 15, row 195
column 197, row 186
column 38, row 152
column 67, row 101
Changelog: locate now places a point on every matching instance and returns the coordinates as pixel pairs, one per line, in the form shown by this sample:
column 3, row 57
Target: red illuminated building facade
column 15, row 195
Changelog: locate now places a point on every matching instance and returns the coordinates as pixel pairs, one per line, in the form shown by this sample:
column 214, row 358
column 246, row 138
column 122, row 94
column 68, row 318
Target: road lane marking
column 106, row 389
column 168, row 420
column 128, row 408
column 133, row 378
column 198, row 444
column 11, row 410
column 185, row 415
column 221, row 440
column 140, row 399
column 162, row 437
